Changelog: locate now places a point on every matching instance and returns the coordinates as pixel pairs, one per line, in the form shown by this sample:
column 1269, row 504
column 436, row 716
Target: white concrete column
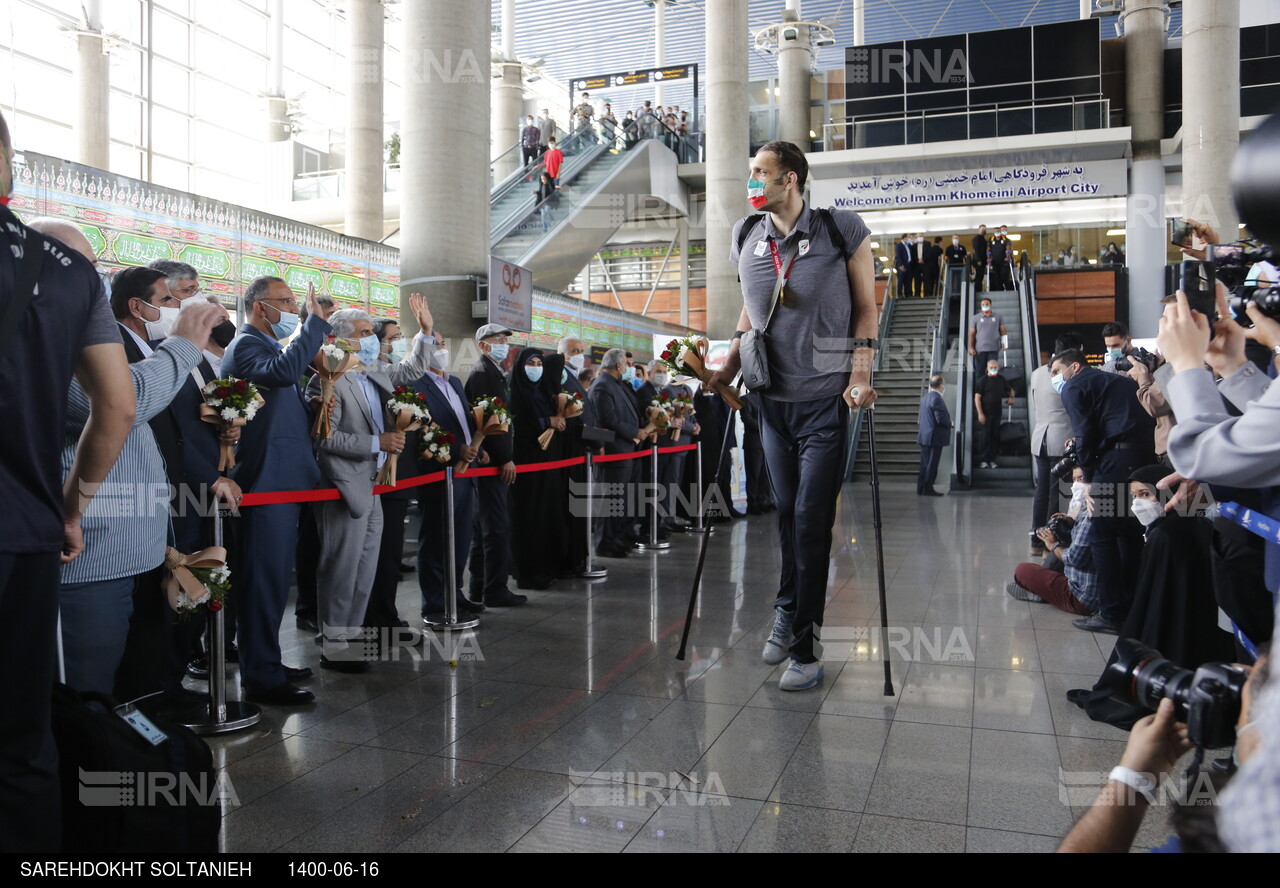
column 93, row 91
column 508, row 100
column 659, row 47
column 683, row 247
column 1145, row 236
column 363, row 187
column 794, row 62
column 859, row 23
column 1210, row 111
column 728, row 155
column 444, row 228
column 277, row 106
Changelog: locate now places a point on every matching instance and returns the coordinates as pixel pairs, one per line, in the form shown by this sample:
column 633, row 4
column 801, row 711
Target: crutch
column 702, row 551
column 875, row 521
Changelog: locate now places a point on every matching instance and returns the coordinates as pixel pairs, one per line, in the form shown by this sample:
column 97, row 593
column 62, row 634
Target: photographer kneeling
column 1073, row 587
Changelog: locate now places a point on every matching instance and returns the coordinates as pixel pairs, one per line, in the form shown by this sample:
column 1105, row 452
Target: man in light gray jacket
column 1051, row 427
column 363, row 437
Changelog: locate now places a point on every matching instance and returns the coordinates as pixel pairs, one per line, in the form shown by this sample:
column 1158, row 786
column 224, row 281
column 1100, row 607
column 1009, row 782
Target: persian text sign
column 1099, row 178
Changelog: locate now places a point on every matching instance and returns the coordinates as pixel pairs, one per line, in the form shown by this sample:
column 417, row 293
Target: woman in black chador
column 539, row 536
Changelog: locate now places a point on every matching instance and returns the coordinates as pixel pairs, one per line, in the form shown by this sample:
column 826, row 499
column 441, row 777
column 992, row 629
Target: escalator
column 602, row 186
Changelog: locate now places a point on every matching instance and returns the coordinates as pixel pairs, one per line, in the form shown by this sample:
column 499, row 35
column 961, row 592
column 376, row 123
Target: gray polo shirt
column 810, row 357
column 988, row 327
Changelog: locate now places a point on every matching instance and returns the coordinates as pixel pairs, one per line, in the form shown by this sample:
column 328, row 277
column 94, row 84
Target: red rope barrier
column 331, row 493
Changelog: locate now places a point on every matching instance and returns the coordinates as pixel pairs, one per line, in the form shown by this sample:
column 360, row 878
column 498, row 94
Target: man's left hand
column 1156, row 742
column 422, row 313
column 1184, row 335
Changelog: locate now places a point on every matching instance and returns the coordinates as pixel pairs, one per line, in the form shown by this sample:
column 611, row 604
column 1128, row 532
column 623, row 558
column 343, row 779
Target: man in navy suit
column 447, row 403
column 935, row 434
column 275, row 454
column 905, row 264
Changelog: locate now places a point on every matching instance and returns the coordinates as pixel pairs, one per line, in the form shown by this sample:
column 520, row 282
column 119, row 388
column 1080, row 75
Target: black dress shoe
column 199, row 668
column 754, row 510
column 281, row 695
column 467, row 606
column 931, row 492
column 613, row 551
column 307, row 624
column 349, row 666
column 297, row 673
column 509, row 599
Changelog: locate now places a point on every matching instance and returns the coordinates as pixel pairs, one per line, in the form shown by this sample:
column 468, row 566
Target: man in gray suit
column 363, row 436
column 614, row 405
column 1051, row 427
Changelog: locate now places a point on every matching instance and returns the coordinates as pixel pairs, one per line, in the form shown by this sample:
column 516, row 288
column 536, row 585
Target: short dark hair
column 258, row 288
column 131, row 283
column 936, row 380
column 1115, row 328
column 790, row 158
column 1071, row 340
column 175, row 270
column 1069, row 357
column 985, row 299
column 905, row 236
column 937, row 240
column 380, row 326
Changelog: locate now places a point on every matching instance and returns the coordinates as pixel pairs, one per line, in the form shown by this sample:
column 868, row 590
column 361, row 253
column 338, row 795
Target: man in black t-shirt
column 66, row 327
column 987, row 394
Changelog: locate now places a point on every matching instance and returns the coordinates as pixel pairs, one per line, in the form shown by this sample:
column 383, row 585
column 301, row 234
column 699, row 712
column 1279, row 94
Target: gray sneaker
column 801, row 676
column 1022, row 593
column 780, row 640
column 1097, row 623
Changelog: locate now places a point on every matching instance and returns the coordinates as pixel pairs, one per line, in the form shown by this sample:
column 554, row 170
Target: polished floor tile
column 568, row 725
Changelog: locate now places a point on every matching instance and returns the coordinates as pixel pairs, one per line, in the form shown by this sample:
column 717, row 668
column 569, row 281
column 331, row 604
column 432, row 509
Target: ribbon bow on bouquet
column 200, row 578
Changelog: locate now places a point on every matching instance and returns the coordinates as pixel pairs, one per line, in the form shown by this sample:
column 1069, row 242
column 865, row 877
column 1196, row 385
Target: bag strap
column 748, row 225
column 780, row 282
column 27, row 276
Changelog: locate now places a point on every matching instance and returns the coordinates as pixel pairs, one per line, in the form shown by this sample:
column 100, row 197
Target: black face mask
column 223, row 333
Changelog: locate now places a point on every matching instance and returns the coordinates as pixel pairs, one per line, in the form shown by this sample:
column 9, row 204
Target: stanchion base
column 240, row 715
column 593, row 573
column 654, row 546
column 441, row 622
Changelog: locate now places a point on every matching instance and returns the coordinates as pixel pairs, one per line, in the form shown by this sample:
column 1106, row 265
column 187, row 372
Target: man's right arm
column 103, row 373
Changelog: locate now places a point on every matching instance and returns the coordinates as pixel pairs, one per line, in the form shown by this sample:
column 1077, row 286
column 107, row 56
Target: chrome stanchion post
column 448, row 621
column 654, row 543
column 699, row 524
column 220, row 715
column 589, row 569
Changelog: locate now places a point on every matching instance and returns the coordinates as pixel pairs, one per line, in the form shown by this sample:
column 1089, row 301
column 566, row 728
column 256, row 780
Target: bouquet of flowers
column 437, row 444
column 335, row 358
column 680, row 407
column 229, row 403
column 568, row 405
column 198, row 580
column 659, row 419
column 687, row 358
column 408, row 409
column 492, row 418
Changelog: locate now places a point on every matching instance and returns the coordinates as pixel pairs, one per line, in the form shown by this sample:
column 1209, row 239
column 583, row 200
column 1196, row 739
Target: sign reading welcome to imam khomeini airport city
column 1002, row 184
column 510, row 295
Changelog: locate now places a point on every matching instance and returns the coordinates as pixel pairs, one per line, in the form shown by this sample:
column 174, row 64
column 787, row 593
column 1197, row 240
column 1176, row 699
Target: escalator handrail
column 573, row 165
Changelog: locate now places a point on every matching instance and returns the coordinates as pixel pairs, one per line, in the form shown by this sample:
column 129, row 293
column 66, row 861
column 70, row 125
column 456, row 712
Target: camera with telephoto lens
column 1230, row 264
column 1141, row 355
column 1207, row 700
column 1070, row 461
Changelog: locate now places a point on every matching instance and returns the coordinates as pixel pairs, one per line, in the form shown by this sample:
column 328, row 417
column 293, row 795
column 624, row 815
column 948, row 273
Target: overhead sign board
column 510, row 295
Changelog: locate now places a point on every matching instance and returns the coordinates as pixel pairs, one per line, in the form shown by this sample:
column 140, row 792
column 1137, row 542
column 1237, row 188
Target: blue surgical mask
column 284, row 327
column 533, row 373
column 636, row 383
column 1058, row 382
column 399, row 349
column 370, row 348
column 499, row 352
column 1115, row 354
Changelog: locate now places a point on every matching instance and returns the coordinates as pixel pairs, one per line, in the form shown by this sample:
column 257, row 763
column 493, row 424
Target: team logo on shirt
column 804, row 247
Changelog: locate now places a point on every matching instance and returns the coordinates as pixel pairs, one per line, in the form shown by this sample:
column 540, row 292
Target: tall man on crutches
column 808, row 282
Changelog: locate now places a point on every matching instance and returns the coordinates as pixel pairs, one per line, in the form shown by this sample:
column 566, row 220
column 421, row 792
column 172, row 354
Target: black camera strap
column 26, row 277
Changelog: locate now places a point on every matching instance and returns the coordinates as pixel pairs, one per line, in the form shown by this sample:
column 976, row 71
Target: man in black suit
column 491, row 543
column 902, row 262
column 447, row 403
column 574, row 351
column 932, row 267
column 980, row 258
column 614, row 404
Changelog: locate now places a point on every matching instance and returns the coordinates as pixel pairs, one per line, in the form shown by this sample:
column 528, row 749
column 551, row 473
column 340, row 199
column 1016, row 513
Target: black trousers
column 979, row 276
column 308, row 556
column 610, row 504
column 759, row 487
column 931, row 281
column 30, row 808
column 529, row 154
column 1238, row 562
column 1047, row 499
column 381, row 610
column 805, row 444
column 491, row 539
column 988, row 437
column 930, row 457
column 904, row 282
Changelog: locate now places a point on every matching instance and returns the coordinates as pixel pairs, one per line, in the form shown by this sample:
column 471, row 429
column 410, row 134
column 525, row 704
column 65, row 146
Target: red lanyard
column 777, row 261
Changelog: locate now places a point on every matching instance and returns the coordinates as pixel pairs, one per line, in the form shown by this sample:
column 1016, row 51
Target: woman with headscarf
column 539, row 537
column 1173, row 609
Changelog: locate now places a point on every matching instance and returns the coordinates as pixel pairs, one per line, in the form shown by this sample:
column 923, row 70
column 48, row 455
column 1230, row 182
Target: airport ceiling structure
column 575, row 38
